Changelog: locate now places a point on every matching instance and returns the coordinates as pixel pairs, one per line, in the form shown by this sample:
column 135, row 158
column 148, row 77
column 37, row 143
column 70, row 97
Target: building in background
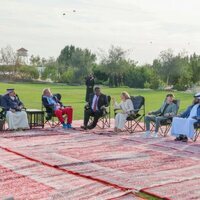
column 22, row 55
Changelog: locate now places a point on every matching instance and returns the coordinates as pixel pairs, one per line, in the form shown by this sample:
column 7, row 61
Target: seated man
column 183, row 125
column 15, row 116
column 167, row 110
column 95, row 108
column 58, row 109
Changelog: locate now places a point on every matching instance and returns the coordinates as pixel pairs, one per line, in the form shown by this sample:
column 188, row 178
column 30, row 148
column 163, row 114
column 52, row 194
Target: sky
column 142, row 27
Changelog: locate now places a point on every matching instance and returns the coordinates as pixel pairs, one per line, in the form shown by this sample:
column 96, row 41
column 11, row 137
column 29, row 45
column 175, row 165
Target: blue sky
column 144, row 27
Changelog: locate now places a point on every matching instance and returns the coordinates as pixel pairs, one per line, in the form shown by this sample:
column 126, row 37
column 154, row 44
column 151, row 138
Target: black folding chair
column 197, row 131
column 134, row 120
column 165, row 125
column 2, row 116
column 104, row 121
column 50, row 117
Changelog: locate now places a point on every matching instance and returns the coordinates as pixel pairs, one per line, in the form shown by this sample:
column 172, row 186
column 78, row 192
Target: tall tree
column 80, row 60
column 8, row 56
column 115, row 64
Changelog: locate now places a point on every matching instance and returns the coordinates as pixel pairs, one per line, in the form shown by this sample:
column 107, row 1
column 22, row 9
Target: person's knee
column 159, row 119
column 147, row 118
column 8, row 113
column 24, row 113
column 58, row 112
column 68, row 109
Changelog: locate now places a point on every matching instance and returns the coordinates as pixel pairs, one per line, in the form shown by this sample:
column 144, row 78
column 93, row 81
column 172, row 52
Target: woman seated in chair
column 58, row 109
column 15, row 115
column 183, row 124
column 126, row 106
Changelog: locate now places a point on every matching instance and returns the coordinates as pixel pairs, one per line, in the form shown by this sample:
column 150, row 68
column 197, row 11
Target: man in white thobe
column 183, row 125
column 15, row 116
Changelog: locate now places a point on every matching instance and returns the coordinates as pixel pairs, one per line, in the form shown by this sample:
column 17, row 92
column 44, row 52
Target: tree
column 115, row 64
column 81, row 60
column 194, row 62
column 65, row 55
column 138, row 76
column 8, row 56
column 51, row 70
column 35, row 60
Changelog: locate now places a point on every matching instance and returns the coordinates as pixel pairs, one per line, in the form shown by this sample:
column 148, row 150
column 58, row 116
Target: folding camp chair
column 50, row 117
column 197, row 131
column 165, row 125
column 2, row 116
column 134, row 120
column 104, row 120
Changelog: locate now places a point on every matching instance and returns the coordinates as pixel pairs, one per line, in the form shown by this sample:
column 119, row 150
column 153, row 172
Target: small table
column 35, row 118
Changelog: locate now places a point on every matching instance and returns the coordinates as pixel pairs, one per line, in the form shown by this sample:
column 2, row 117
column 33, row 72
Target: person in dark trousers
column 89, row 86
column 166, row 111
column 95, row 107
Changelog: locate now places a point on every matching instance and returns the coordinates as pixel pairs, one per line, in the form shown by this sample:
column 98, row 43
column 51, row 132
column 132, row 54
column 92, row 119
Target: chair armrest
column 86, row 107
column 116, row 110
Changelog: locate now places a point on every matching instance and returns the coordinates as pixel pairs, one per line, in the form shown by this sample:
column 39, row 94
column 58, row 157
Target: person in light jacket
column 126, row 106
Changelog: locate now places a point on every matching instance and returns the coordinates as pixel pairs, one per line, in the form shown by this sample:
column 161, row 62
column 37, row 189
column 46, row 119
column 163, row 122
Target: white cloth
column 120, row 118
column 17, row 120
column 184, row 126
column 93, row 102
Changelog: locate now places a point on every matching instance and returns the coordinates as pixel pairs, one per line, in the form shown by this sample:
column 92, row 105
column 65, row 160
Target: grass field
column 30, row 94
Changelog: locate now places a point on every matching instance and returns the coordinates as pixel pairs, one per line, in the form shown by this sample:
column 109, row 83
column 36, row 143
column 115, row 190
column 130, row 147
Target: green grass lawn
column 30, row 94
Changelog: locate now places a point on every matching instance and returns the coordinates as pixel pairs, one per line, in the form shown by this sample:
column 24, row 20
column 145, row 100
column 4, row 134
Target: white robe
column 17, row 120
column 184, row 126
column 120, row 118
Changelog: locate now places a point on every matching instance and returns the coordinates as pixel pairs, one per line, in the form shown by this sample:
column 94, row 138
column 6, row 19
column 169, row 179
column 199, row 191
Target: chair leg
column 196, row 135
column 133, row 124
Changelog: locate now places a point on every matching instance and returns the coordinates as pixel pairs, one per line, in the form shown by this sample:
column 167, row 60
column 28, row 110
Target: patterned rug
column 96, row 164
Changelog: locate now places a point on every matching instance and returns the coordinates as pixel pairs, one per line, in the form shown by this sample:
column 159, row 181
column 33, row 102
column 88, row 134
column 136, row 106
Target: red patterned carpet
column 73, row 164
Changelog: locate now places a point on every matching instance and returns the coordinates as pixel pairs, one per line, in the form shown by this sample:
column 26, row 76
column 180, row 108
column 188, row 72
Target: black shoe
column 185, row 139
column 179, row 138
column 84, row 127
column 91, row 127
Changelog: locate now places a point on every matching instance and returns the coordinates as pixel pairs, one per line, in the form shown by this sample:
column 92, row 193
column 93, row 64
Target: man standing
column 89, row 86
column 183, row 125
column 95, row 107
column 167, row 110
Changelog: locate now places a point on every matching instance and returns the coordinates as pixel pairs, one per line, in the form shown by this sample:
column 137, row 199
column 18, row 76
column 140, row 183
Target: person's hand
column 149, row 113
column 20, row 107
column 102, row 107
column 12, row 110
column 113, row 100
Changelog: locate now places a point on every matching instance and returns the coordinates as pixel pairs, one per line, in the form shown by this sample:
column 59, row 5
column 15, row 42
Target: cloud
column 144, row 27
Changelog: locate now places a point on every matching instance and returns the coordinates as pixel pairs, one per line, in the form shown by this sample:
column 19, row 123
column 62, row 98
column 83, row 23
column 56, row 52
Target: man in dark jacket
column 15, row 115
column 89, row 82
column 95, row 107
